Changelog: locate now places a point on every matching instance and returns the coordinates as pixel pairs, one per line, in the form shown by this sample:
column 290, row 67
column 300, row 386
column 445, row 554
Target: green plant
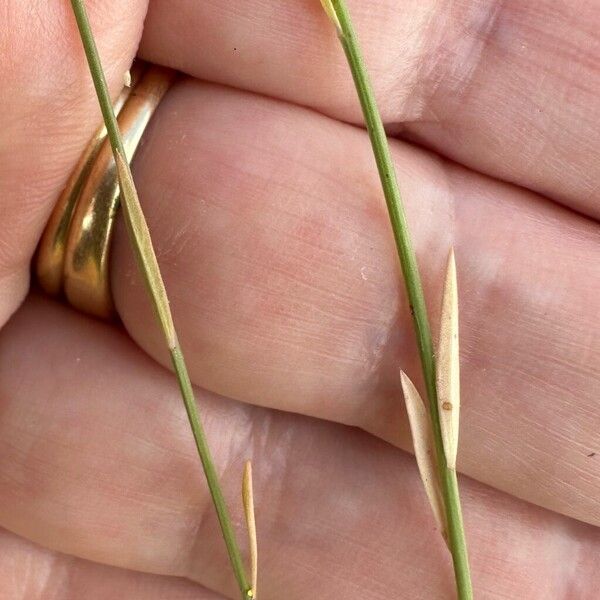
column 142, row 245
column 435, row 437
column 445, row 478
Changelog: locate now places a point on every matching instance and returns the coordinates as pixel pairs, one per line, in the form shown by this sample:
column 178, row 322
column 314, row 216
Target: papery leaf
column 144, row 251
column 248, row 501
column 422, row 436
column 448, row 367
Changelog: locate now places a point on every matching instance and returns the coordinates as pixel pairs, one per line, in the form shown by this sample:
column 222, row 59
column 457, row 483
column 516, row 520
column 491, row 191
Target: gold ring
column 74, row 252
column 51, row 250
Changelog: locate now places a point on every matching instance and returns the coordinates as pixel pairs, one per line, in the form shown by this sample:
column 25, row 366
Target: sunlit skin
column 261, row 194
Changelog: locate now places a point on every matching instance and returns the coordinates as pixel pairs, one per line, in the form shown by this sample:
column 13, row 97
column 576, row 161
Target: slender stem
column 160, row 303
column 187, row 394
column 414, row 288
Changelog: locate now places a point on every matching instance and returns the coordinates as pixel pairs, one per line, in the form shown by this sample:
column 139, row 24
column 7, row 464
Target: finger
column 279, row 261
column 96, row 460
column 30, row 572
column 506, row 88
column 49, row 112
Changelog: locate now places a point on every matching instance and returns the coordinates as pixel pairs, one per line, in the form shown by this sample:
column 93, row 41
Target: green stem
column 187, row 394
column 414, row 288
column 160, row 303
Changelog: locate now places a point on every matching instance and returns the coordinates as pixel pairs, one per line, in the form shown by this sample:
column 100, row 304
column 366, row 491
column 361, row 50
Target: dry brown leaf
column 422, row 436
column 144, row 250
column 448, row 367
column 248, row 501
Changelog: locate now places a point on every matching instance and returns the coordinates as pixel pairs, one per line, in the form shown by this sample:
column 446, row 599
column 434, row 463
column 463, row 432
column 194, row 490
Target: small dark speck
column 235, row 49
column 591, row 455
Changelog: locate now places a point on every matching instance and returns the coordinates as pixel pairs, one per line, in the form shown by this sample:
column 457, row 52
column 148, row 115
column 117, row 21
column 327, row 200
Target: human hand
column 264, row 205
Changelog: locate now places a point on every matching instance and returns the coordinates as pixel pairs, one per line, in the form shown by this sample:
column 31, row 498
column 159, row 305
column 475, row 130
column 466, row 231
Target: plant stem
column 414, row 288
column 147, row 261
column 187, row 394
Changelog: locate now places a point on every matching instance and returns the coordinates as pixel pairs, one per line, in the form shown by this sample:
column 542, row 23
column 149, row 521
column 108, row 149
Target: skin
column 262, row 198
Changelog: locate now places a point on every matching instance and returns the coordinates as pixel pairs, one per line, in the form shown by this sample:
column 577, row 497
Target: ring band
column 74, row 252
column 51, row 250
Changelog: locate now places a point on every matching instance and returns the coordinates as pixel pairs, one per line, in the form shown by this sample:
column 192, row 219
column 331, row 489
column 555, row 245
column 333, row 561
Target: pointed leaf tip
column 330, row 10
column 448, row 366
column 422, row 435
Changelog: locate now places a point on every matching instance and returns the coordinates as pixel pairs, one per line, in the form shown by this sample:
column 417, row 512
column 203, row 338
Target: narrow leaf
column 144, row 250
column 448, row 368
column 248, row 500
column 330, row 10
column 422, row 435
